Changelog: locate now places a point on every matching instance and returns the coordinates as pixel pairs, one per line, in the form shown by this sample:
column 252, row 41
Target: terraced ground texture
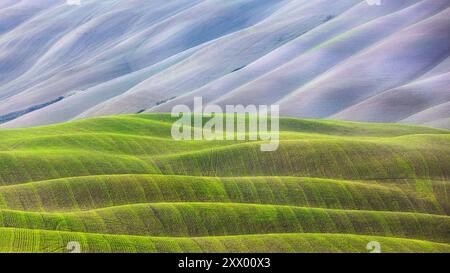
column 322, row 59
column 122, row 184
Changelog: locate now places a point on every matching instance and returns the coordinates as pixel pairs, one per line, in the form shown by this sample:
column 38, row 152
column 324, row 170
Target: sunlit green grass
column 219, row 219
column 330, row 186
column 92, row 192
column 23, row 240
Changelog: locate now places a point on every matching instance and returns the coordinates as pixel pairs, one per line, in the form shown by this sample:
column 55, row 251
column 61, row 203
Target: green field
column 122, row 184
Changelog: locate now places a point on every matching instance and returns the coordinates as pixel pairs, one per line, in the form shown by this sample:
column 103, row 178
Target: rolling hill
column 122, row 184
column 321, row 59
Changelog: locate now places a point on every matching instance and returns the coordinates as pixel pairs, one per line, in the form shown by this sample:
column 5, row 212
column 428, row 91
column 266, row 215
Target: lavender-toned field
column 317, row 59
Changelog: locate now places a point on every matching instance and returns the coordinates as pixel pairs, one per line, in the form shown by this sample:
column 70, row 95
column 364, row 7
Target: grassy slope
column 337, row 183
column 218, row 219
column 13, row 240
column 93, row 192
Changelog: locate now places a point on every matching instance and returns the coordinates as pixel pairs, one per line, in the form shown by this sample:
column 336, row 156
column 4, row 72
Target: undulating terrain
column 321, row 59
column 86, row 151
column 122, row 184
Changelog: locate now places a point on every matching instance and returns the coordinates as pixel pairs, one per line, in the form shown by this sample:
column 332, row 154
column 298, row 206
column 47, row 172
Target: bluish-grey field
column 320, row 59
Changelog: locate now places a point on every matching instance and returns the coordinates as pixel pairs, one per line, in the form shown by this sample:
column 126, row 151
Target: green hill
column 122, row 184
